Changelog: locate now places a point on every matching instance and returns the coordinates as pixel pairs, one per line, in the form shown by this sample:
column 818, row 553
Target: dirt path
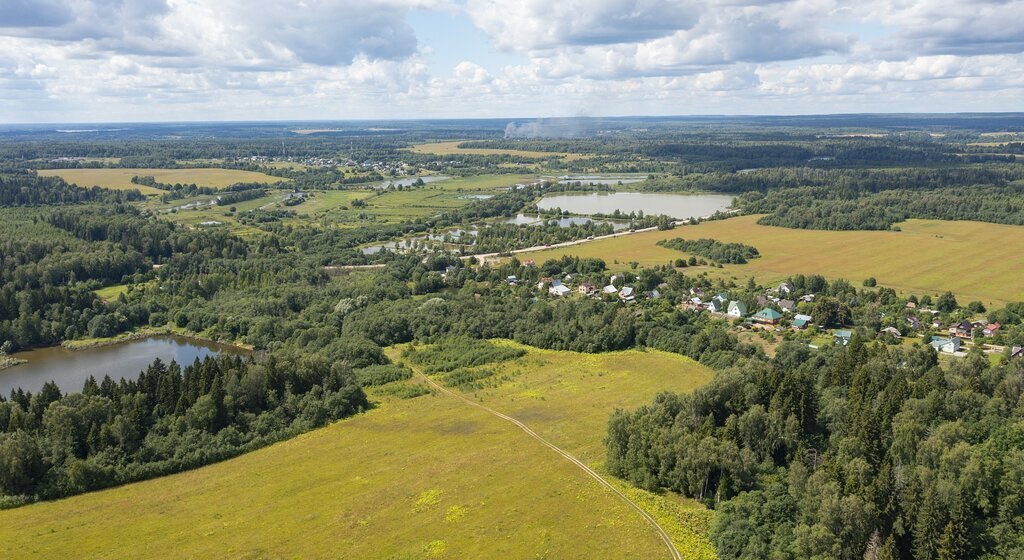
column 674, row 553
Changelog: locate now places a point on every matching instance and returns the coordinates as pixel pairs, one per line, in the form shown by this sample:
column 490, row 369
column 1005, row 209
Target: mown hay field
column 975, row 260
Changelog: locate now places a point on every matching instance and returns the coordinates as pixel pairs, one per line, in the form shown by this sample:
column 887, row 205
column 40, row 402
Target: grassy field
column 452, row 148
column 429, row 477
column 110, row 293
column 120, row 179
column 927, row 256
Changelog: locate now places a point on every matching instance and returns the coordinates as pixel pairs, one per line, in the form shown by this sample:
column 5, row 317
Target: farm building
column 801, row 321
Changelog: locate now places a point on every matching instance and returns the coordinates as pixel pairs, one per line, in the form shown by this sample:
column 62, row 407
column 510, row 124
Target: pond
column 70, row 368
column 676, row 205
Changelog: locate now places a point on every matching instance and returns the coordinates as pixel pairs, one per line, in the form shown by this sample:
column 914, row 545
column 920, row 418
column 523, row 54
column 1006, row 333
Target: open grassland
column 121, row 179
column 430, row 477
column 452, row 148
column 110, row 293
column 976, row 260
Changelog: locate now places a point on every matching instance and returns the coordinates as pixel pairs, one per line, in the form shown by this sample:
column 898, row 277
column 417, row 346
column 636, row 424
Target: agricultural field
column 926, row 256
column 121, row 179
column 452, row 148
column 429, row 477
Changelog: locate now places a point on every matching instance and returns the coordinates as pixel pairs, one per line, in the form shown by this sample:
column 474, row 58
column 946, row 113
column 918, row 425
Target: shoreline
column 144, row 334
column 9, row 362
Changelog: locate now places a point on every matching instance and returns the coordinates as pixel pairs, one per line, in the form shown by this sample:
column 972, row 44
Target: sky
column 197, row 60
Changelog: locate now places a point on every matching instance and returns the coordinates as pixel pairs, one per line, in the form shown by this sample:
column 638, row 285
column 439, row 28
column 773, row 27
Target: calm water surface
column 676, row 205
column 70, row 368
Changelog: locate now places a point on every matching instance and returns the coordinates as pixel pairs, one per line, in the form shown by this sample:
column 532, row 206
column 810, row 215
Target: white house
column 737, row 309
column 559, row 290
column 610, row 289
column 947, row 345
column 626, row 294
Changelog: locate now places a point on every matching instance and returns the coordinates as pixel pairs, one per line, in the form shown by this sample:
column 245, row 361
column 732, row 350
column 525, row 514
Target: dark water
column 70, row 368
column 672, row 204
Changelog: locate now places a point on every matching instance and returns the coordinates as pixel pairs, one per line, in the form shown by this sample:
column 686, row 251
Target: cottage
column 610, row 289
column 991, row 329
column 587, row 289
column 721, row 298
column 911, row 305
column 736, row 309
column 626, row 294
column 787, row 305
column 785, row 288
column 543, row 282
column 767, row 316
column 654, row 294
column 1017, row 352
column 914, row 322
column 695, row 291
column 801, row 321
column 842, row 337
column 762, row 301
column 947, row 345
column 512, row 280
column 716, row 306
column 694, row 304
column 809, row 298
column 893, row 331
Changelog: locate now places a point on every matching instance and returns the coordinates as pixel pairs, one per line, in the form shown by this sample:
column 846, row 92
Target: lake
column 70, row 368
column 676, row 205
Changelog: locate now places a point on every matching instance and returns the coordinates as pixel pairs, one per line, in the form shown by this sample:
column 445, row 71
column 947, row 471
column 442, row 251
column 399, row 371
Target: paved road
column 593, row 474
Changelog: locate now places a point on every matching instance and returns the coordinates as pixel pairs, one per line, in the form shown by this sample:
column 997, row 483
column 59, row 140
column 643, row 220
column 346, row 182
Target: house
column 736, row 309
column 653, row 294
column 892, row 331
column 512, row 280
column 991, row 329
column 911, row 305
column 947, row 345
column 842, row 337
column 767, row 316
column 809, row 298
column 529, row 262
column 609, row 289
column 787, row 305
column 762, row 301
column 693, row 303
column 559, row 290
column 785, row 288
column 716, row 306
column 801, row 321
column 543, row 282
column 626, row 294
column 1017, row 352
column 695, row 291
column 914, row 322
column 961, row 329
column 722, row 298
column 587, row 289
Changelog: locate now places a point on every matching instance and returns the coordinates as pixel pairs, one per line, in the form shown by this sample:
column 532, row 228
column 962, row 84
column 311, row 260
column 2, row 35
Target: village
column 787, row 312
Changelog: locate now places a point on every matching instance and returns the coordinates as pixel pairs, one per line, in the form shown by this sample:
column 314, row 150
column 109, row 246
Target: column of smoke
column 545, row 128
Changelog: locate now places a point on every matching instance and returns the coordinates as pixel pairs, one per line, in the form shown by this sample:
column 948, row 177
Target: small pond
column 70, row 368
column 676, row 205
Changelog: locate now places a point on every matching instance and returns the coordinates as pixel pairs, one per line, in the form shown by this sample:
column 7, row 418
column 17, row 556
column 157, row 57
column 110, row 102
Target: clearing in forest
column 426, row 477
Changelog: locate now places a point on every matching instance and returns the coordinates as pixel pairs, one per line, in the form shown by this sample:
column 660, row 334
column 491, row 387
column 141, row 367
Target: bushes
column 467, row 379
column 732, row 253
column 452, row 353
column 382, row 374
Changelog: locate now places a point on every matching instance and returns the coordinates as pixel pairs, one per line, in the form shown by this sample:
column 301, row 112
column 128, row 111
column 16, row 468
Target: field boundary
column 593, row 474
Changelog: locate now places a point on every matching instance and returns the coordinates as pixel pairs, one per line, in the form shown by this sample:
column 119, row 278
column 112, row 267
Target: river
column 70, row 368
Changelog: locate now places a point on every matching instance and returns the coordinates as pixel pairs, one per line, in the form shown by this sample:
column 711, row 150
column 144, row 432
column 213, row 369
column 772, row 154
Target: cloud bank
column 110, row 60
